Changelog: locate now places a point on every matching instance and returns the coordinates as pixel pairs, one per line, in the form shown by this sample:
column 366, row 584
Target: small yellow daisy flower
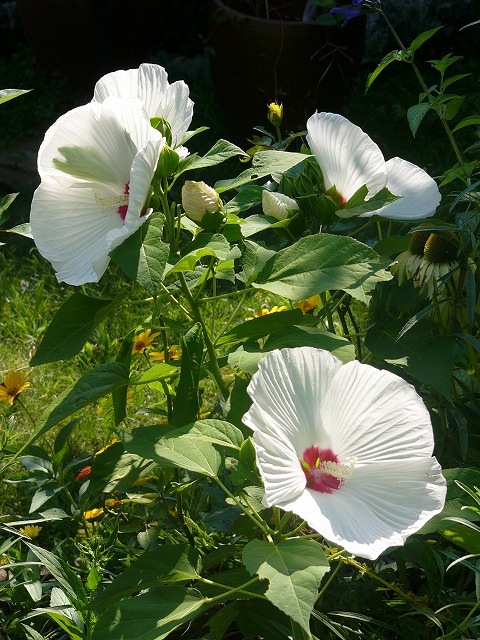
column 143, row 341
column 91, row 514
column 264, row 311
column 309, row 304
column 174, row 353
column 30, row 530
column 13, row 384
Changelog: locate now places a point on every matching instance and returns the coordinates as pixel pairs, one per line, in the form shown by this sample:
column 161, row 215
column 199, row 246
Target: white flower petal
column 374, row 415
column 420, row 194
column 378, row 508
column 70, row 232
column 347, row 156
column 150, row 84
column 286, row 393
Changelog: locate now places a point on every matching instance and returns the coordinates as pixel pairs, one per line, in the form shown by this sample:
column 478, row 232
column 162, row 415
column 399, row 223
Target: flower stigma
column 323, row 471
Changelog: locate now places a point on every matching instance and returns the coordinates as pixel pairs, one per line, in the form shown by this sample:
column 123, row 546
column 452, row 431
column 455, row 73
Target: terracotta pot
column 83, row 39
column 303, row 65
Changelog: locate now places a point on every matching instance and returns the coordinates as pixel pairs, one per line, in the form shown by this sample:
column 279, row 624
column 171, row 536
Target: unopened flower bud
column 167, row 162
column 275, row 113
column 277, row 205
column 202, row 204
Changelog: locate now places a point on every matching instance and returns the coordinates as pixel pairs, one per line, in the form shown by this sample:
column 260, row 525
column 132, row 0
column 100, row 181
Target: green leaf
column 383, row 64
column 253, row 259
column 264, row 163
column 115, row 470
column 158, row 372
column 260, row 327
column 427, row 357
column 311, row 337
column 323, row 262
column 471, row 121
column 294, row 569
column 150, row 616
column 357, row 205
column 9, row 94
column 422, row 38
column 24, row 230
column 245, row 199
column 222, row 150
column 6, row 201
column 452, row 106
column 143, row 256
column 166, row 563
column 71, row 327
column 205, row 244
column 62, row 573
column 416, row 114
column 186, row 404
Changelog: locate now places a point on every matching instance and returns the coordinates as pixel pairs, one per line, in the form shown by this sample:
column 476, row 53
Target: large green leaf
column 312, row 337
column 294, row 569
column 165, row 563
column 193, row 447
column 222, row 150
column 264, row 163
column 323, row 262
column 260, row 327
column 150, row 616
column 420, row 352
column 143, row 256
column 253, row 259
column 71, row 327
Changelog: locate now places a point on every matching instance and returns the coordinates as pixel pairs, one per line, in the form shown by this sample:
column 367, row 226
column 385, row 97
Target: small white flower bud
column 198, row 198
column 277, row 205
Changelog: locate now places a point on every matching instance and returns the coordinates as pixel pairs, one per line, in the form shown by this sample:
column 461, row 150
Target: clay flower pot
column 303, row 65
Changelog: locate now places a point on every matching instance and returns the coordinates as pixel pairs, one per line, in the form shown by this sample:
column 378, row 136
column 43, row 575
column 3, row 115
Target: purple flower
column 357, row 8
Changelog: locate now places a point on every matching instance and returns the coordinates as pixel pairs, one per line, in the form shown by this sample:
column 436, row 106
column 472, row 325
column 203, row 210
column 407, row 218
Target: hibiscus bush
column 305, row 470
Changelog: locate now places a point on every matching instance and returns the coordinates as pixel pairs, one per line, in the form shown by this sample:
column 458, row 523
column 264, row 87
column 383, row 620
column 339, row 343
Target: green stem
column 176, row 302
column 230, row 319
column 221, row 296
column 241, row 589
column 328, row 582
column 463, row 623
column 426, row 90
column 253, row 515
column 371, row 574
column 212, row 356
column 328, row 312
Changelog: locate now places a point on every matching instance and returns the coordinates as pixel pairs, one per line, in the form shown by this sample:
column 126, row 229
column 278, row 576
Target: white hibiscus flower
column 96, row 165
column 348, row 448
column 349, row 159
column 149, row 83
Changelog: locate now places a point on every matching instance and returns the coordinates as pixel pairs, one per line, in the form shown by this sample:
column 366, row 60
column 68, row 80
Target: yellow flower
column 30, row 530
column 309, row 304
column 264, row 311
column 174, row 353
column 91, row 514
column 275, row 113
column 13, row 384
column 143, row 341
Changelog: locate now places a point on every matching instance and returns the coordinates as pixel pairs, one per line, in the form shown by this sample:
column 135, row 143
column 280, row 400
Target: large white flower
column 349, row 159
column 96, row 165
column 149, row 83
column 348, row 448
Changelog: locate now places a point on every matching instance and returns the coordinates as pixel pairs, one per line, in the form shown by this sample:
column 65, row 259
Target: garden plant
column 287, row 395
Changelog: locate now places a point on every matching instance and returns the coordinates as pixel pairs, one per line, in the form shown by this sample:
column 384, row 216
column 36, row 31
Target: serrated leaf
column 6, row 201
column 260, row 327
column 186, row 403
column 383, row 64
column 294, row 569
column 71, row 327
column 150, row 616
column 204, row 245
column 470, row 121
column 165, row 564
column 416, row 114
column 322, row 262
column 245, row 199
column 143, row 256
column 422, row 38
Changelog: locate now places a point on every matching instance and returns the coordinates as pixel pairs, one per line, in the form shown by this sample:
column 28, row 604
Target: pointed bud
column 202, row 204
column 275, row 113
column 277, row 205
column 167, row 162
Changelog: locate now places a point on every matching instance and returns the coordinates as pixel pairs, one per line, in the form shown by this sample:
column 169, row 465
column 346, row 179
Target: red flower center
column 316, row 464
column 122, row 210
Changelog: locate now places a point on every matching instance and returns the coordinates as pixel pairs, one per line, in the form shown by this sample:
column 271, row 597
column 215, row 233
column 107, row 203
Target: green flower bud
column 167, row 162
column 275, row 113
